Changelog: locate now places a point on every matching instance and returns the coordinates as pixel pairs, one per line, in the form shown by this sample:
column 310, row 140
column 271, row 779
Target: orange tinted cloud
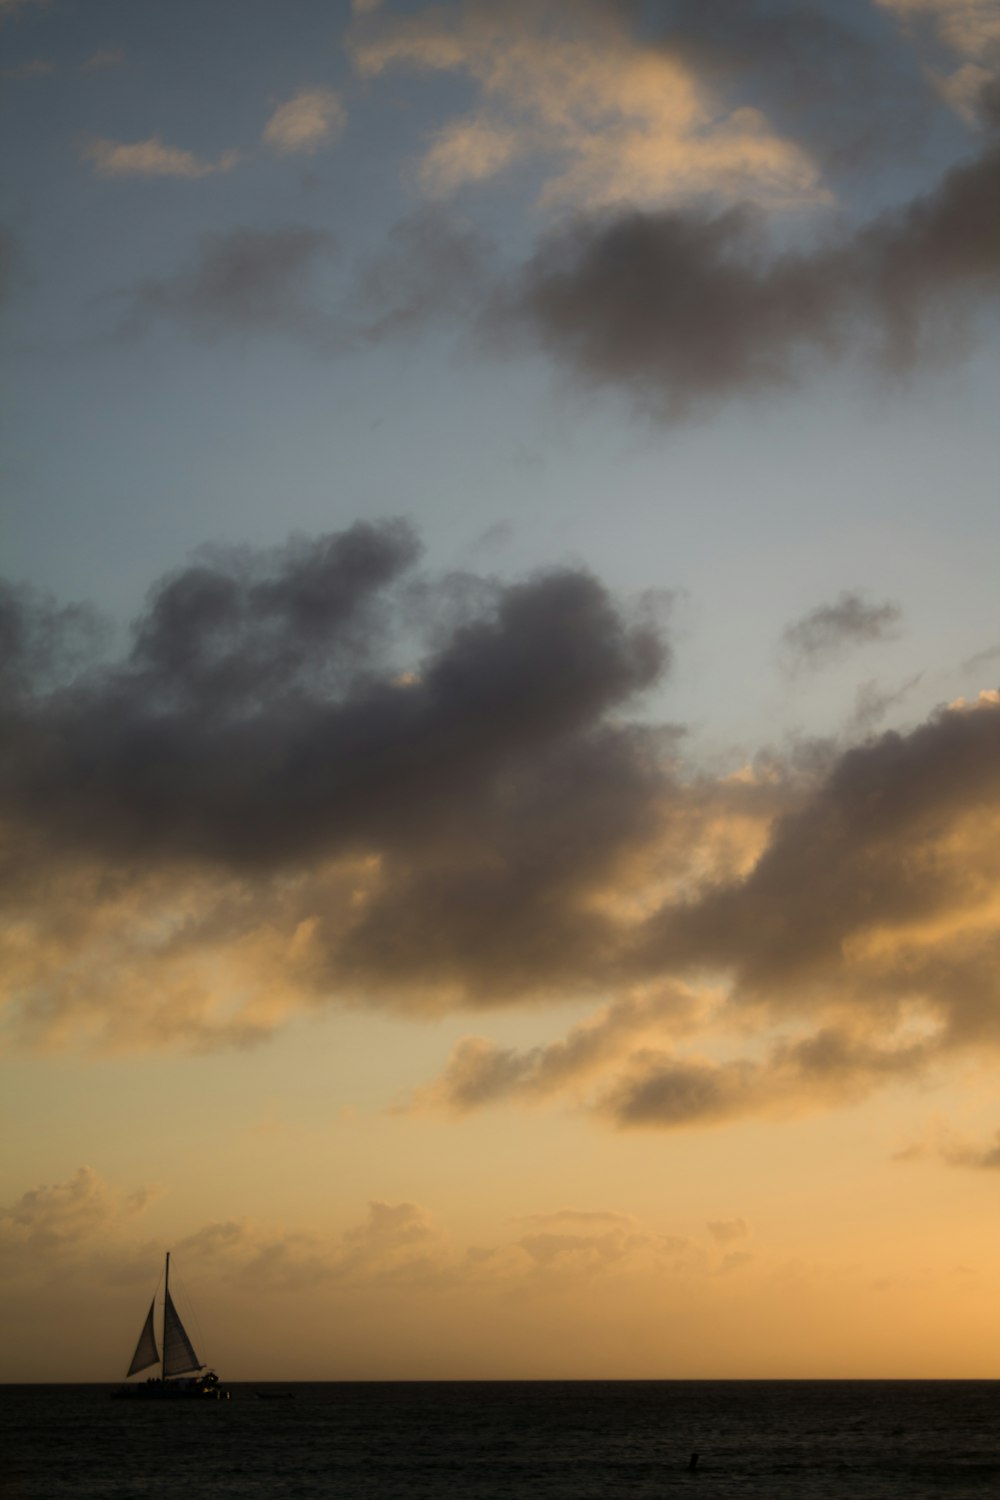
column 618, row 121
column 262, row 808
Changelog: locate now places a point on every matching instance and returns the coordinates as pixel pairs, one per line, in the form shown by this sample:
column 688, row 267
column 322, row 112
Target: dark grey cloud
column 432, row 267
column 861, row 947
column 245, row 281
column 257, row 717
column 335, row 778
column 892, row 850
column 827, row 1067
column 689, row 306
column 827, row 631
column 419, row 797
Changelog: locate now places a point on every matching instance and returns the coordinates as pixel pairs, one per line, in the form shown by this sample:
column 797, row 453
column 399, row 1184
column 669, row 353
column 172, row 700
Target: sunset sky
column 500, row 686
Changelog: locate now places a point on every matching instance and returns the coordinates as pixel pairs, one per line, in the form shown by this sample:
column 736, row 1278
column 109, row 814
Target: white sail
column 146, row 1352
column 178, row 1353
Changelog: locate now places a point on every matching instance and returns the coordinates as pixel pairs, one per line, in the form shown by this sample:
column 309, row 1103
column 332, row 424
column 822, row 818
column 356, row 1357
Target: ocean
column 580, row 1440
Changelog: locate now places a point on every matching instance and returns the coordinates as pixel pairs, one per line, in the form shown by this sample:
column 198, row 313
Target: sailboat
column 182, row 1373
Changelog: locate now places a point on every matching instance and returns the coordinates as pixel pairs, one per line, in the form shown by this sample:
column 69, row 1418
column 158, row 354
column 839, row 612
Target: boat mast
column 166, row 1295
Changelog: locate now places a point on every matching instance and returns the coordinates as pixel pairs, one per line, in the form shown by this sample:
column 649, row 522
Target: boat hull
column 171, row 1390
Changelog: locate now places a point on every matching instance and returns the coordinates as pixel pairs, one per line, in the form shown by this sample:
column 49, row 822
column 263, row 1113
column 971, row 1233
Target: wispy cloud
column 971, row 30
column 828, row 631
column 433, row 267
column 10, row 8
column 32, row 67
column 955, row 1150
column 244, row 281
column 152, row 158
column 311, row 119
column 104, row 57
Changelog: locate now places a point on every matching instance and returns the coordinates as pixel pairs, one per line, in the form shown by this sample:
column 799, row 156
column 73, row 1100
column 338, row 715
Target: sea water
column 586, row 1440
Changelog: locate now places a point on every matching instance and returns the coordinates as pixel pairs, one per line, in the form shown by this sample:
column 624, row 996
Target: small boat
column 183, row 1376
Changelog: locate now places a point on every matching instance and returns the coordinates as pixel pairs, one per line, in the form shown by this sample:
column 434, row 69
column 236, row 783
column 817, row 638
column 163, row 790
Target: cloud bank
column 84, row 1229
column 321, row 776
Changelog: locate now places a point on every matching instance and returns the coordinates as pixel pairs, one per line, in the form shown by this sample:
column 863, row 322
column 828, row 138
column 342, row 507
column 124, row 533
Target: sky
column 500, row 686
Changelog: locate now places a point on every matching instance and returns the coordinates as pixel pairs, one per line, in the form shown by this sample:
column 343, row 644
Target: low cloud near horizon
column 89, row 1229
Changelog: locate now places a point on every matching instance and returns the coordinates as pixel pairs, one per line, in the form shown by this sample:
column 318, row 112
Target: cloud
column 954, row 1150
column 725, row 1231
column 311, row 119
column 828, row 1067
column 969, row 27
column 321, row 776
column 829, row 77
column 617, row 120
column 84, row 1227
column 981, row 659
column 104, row 57
column 664, row 280
column 433, row 265
column 152, row 158
column 829, row 630
column 49, row 1221
column 856, row 952
column 83, row 1231
column 682, row 308
column 479, row 1072
column 971, row 30
column 279, row 772
column 874, row 901
column 32, row 67
column 467, row 151
column 872, row 703
column 244, row 281
column 11, row 8
column 397, row 1244
column 985, row 1158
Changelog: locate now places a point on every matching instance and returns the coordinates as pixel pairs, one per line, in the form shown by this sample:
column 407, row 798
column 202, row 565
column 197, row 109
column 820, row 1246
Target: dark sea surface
column 590, row 1440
